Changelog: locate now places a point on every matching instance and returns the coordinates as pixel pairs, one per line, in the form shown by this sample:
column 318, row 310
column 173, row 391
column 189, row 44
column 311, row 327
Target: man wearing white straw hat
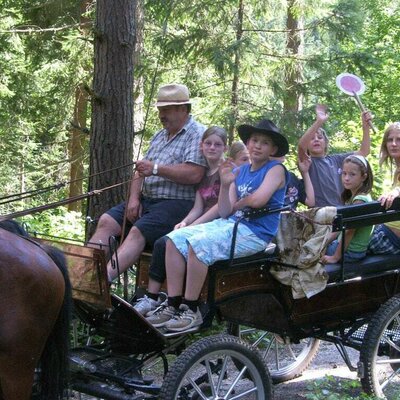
column 163, row 187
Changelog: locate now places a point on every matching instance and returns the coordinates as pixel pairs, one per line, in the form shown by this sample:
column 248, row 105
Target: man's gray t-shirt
column 325, row 174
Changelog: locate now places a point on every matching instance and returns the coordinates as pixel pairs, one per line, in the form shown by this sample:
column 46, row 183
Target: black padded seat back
column 370, row 265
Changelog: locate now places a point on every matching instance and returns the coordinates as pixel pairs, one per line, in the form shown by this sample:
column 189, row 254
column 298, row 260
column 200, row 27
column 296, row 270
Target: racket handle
column 363, row 109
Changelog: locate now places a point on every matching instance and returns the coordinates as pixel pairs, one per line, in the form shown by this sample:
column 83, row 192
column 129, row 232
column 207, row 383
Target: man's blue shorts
column 159, row 216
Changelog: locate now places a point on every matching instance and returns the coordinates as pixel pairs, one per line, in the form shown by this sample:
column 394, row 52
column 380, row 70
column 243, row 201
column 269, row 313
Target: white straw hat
column 172, row 94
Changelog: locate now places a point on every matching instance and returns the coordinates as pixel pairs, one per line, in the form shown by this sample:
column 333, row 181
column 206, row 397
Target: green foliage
column 59, row 222
column 332, row 388
column 195, row 42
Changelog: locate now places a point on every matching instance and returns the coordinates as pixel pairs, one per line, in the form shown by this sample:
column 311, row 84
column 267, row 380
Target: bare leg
column 176, row 268
column 154, row 286
column 196, row 276
column 106, row 227
column 128, row 253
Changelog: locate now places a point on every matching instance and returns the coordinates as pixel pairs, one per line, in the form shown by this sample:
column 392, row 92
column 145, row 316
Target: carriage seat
column 269, row 253
column 369, row 266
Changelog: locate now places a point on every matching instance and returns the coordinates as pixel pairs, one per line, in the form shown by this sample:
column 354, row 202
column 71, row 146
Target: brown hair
column 384, row 157
column 235, row 148
column 323, row 133
column 365, row 169
column 215, row 130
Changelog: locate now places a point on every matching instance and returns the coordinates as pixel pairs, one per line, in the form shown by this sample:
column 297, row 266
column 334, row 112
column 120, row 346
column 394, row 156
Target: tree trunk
column 235, row 81
column 78, row 140
column 77, row 145
column 111, row 141
column 293, row 73
column 138, row 84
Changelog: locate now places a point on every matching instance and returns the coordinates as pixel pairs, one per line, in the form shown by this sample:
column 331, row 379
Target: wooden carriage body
column 240, row 291
column 243, row 291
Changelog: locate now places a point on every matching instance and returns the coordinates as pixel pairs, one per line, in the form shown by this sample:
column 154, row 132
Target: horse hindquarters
column 35, row 304
column 54, row 358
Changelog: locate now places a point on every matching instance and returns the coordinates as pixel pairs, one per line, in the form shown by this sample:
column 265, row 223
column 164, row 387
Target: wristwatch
column 155, row 169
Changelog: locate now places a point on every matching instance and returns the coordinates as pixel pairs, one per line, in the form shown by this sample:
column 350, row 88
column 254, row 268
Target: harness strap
column 57, row 203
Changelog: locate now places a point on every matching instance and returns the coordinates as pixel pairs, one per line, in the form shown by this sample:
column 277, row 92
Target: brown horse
column 35, row 305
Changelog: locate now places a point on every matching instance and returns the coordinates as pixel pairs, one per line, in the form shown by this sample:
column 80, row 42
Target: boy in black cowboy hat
column 192, row 249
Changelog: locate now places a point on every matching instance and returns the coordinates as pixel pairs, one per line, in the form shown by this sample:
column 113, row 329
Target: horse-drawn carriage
column 358, row 308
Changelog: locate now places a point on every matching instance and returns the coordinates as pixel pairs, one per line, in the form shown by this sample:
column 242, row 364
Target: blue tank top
column 248, row 182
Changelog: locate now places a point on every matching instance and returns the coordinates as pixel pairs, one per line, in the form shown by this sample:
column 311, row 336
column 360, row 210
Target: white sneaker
column 185, row 319
column 145, row 305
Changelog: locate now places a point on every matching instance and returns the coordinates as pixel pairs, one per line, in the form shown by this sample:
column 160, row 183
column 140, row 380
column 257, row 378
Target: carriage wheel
column 217, row 367
column 285, row 361
column 380, row 353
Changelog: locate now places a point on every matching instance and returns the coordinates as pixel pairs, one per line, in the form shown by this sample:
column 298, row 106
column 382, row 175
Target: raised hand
column 228, row 172
column 366, row 118
column 322, row 112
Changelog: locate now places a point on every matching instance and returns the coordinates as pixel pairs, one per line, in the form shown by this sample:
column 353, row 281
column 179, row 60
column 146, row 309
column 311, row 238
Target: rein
column 59, row 203
column 30, row 193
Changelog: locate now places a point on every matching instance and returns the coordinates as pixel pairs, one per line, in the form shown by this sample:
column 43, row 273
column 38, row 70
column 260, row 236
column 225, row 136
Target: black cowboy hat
column 267, row 127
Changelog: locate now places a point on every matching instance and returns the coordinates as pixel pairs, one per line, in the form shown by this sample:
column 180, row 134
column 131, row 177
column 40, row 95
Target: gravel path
column 328, row 362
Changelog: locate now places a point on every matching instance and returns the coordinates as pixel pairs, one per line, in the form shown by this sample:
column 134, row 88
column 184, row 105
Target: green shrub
column 333, row 388
column 57, row 222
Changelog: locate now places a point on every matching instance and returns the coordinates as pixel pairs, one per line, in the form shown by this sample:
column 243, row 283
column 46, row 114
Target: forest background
column 241, row 59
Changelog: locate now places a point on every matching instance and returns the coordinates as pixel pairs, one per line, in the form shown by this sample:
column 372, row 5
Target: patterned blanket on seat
column 302, row 239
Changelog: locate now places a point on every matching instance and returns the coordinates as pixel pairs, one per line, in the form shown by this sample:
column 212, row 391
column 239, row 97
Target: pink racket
column 350, row 84
column 353, row 86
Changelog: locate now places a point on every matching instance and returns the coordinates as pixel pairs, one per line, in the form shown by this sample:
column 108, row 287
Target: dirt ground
column 328, row 362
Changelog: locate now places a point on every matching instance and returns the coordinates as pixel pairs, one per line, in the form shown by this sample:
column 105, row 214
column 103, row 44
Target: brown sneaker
column 161, row 315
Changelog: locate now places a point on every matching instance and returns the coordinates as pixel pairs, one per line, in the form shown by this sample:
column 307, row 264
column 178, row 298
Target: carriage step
column 169, row 334
column 98, row 389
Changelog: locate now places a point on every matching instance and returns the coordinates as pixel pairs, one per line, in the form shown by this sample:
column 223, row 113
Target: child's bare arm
column 227, row 192
column 338, row 253
column 321, row 118
column 273, row 180
column 304, row 167
column 366, row 139
column 208, row 216
column 193, row 214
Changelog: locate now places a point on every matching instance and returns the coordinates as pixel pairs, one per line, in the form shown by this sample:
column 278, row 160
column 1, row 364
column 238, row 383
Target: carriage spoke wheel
column 285, row 361
column 380, row 353
column 218, row 367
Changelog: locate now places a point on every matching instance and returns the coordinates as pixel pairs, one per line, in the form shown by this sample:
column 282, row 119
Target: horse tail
column 54, row 359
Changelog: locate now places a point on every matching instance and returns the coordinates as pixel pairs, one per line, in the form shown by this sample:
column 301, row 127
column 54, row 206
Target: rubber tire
column 278, row 375
column 204, row 349
column 386, row 314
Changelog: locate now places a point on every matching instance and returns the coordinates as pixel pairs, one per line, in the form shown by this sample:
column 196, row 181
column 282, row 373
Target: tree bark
column 78, row 139
column 236, row 75
column 292, row 101
column 138, row 84
column 111, row 141
column 76, row 147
